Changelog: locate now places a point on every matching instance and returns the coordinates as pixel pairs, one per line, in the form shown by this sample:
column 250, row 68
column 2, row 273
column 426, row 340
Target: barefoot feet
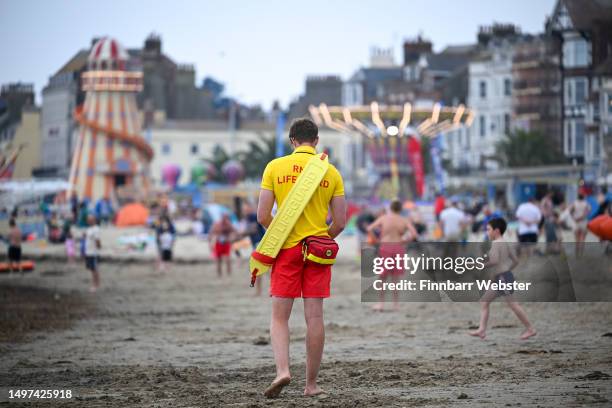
column 530, row 332
column 378, row 307
column 277, row 386
column 478, row 333
column 311, row 391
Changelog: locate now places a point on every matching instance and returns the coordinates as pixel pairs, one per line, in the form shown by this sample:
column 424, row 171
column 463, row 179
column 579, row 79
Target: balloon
column 198, row 174
column 233, row 171
column 171, row 174
column 211, row 172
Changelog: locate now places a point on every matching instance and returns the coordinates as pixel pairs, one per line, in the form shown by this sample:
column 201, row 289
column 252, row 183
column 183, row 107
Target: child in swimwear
column 501, row 261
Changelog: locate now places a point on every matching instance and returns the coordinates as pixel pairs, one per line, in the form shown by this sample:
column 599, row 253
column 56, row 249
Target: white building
column 490, row 95
column 186, row 143
column 58, row 125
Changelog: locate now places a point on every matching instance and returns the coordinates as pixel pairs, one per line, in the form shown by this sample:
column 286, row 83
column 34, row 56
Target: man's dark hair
column 498, row 223
column 396, row 206
column 12, row 222
column 303, row 130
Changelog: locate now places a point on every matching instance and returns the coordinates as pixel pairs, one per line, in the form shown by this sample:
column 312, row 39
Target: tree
column 258, row 154
column 524, row 149
column 218, row 159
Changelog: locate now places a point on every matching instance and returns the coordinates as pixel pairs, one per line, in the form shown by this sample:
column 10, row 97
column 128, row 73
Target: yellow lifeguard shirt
column 281, row 174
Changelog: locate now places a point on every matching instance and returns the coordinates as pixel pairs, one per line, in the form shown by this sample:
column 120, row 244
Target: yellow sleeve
column 339, row 188
column 267, row 178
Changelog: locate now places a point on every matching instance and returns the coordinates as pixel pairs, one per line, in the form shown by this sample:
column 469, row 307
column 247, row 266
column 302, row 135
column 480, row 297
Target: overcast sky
column 262, row 50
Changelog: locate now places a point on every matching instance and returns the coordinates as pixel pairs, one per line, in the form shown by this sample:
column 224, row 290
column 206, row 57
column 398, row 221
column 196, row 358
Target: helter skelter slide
column 110, row 151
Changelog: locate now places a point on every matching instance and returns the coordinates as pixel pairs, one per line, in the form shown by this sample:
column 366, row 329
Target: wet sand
column 188, row 338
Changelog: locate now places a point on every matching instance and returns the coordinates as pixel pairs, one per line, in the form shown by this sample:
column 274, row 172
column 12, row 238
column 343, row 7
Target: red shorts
column 291, row 277
column 391, row 250
column 222, row 249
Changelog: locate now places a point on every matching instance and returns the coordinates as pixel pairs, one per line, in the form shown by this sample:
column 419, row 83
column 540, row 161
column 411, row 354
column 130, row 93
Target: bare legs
column 228, row 264
column 520, row 313
column 95, row 280
column 513, row 305
column 580, row 235
column 380, row 306
column 315, row 339
column 279, row 334
column 485, row 302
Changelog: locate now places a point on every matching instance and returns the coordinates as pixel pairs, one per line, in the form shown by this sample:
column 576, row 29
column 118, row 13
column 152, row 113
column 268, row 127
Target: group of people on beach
column 292, row 276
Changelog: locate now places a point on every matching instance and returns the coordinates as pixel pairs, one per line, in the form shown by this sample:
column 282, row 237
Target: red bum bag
column 321, row 250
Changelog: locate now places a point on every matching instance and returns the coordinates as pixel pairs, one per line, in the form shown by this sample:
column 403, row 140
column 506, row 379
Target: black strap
column 312, row 154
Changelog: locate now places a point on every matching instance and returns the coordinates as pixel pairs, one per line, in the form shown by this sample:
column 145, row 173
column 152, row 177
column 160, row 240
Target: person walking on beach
column 92, row 246
column 221, row 242
column 452, row 222
column 580, row 210
column 501, row 261
column 14, row 249
column 165, row 243
column 529, row 216
column 393, row 229
column 291, row 277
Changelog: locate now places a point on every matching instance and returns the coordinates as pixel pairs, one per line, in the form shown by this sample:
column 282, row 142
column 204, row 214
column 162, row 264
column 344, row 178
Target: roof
column 459, row 49
column 107, row 53
column 446, row 61
column 584, row 13
column 76, row 63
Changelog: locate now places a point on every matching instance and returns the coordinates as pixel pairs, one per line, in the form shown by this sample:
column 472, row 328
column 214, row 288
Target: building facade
column 57, row 124
column 325, row 89
column 536, row 87
column 188, row 143
column 583, row 29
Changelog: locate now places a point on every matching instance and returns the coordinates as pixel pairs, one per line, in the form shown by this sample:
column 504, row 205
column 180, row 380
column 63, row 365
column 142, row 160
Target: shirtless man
column 580, row 211
column 14, row 249
column 393, row 238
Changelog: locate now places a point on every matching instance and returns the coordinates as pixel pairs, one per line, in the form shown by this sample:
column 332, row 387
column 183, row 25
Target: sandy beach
column 187, row 338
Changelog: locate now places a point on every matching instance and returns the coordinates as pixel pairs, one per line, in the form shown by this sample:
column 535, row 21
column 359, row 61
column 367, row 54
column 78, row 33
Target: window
column 569, row 146
column 576, row 53
column 166, row 148
column 597, row 146
column 576, row 91
column 483, row 126
column 194, row 149
column 507, row 87
column 575, row 137
column 506, row 123
column 580, row 92
column 579, row 134
column 483, row 89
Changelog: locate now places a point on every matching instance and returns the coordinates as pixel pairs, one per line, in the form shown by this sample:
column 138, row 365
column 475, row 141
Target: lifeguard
column 292, row 277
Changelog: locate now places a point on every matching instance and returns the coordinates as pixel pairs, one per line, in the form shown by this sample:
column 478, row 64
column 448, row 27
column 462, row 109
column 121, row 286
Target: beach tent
column 132, row 215
column 14, row 193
